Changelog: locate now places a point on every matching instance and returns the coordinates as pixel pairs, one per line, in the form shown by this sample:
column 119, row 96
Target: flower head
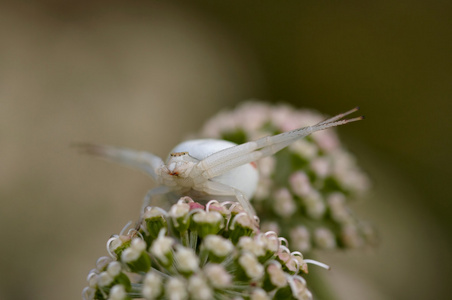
column 182, row 261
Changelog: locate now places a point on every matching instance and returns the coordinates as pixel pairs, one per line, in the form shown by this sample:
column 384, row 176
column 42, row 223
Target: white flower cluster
column 197, row 252
column 303, row 189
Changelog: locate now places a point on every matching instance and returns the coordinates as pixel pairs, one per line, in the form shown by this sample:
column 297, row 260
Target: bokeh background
column 145, row 74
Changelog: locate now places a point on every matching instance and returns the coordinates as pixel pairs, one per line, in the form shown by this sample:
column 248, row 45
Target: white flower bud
column 306, row 149
column 251, row 266
column 270, row 226
column 324, row 238
column 102, row 262
column 266, row 166
column 152, row 286
column 300, row 184
column 212, row 217
column 93, row 279
column 327, row 140
column 283, row 204
column 351, row 237
column 300, row 238
column 186, row 259
column 218, row 276
column 130, row 254
column 269, row 242
column 218, row 245
column 179, row 210
column 262, row 189
column 277, row 275
column 175, row 289
column 88, row 293
column 117, row 292
column 114, row 268
column 199, row 289
column 321, row 167
column 251, row 245
column 259, row 294
column 315, row 207
column 161, row 247
column 104, row 279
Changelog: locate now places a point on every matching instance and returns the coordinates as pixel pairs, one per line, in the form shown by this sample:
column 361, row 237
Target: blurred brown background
column 144, row 74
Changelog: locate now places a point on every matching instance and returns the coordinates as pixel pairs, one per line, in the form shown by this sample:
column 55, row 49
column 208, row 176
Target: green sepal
column 154, row 225
column 118, row 251
column 123, row 280
column 284, row 293
column 204, row 229
column 180, row 225
column 239, row 231
column 142, row 264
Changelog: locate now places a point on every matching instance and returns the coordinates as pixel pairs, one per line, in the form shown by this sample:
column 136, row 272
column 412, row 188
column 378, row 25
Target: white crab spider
column 209, row 167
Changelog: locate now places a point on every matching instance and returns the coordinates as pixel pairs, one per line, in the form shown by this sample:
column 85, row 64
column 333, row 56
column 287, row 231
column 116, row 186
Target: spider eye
column 178, row 154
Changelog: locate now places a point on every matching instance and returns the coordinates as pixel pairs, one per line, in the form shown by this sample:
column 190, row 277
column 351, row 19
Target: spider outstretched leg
column 144, row 161
column 229, row 158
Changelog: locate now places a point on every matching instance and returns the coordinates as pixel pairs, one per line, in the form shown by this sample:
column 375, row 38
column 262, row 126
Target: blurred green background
column 145, row 74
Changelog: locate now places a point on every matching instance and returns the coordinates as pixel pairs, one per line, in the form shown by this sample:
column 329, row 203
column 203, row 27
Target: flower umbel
column 197, row 252
column 304, row 189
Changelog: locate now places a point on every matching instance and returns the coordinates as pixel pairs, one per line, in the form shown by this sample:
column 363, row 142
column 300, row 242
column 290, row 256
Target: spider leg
column 143, row 161
column 339, row 116
column 160, row 190
column 220, row 189
column 227, row 159
column 147, row 201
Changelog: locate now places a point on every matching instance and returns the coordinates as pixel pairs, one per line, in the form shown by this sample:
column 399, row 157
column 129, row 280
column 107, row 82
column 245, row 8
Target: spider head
column 180, row 164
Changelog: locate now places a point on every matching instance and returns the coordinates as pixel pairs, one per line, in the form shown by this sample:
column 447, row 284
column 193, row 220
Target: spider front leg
column 160, row 190
column 220, row 189
column 141, row 160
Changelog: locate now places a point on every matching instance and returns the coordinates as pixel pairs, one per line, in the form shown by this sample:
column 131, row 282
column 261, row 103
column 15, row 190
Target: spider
column 210, row 167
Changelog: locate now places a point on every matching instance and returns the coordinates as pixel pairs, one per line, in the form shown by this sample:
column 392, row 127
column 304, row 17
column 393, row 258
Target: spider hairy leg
column 144, row 161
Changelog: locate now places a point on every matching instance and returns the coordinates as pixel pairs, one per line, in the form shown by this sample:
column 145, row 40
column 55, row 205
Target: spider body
column 182, row 167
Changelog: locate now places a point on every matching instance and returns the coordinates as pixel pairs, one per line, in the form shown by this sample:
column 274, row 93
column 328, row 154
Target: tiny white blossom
column 304, row 148
column 315, row 207
column 175, row 289
column 117, row 293
column 134, row 251
column 277, row 275
column 210, row 217
column 266, row 166
column 218, row 245
column 114, row 268
column 321, row 166
column 251, row 245
column 217, row 275
column 324, row 238
column 186, row 259
column 152, row 286
column 351, row 236
column 300, row 184
column 199, row 289
column 259, row 294
column 161, row 247
column 104, row 279
column 283, row 204
column 179, row 210
column 251, row 266
column 301, row 238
